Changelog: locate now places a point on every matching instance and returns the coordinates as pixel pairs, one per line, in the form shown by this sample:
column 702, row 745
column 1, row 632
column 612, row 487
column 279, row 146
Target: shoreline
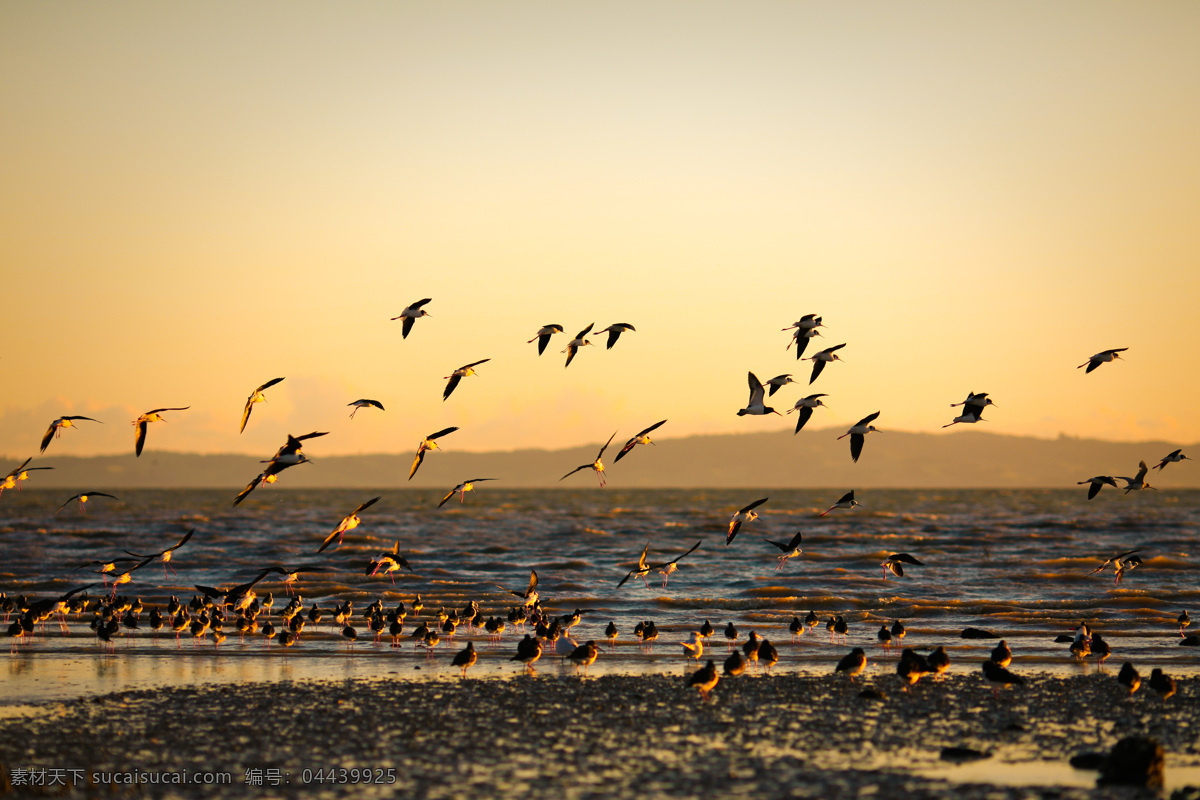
column 555, row 735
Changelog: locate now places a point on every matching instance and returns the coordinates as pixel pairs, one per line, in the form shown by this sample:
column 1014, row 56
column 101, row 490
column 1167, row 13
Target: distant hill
column 812, row 459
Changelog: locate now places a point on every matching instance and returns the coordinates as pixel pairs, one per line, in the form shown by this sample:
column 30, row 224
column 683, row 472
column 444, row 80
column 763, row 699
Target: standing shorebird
column 1097, row 483
column 1173, row 457
column 56, row 428
column 348, row 523
column 743, row 515
column 462, row 489
column 143, row 422
column 858, row 432
column 805, row 406
column 1129, row 678
column 427, row 444
column 1137, row 482
column 789, row 550
column 1162, row 683
column 362, row 403
column 846, row 501
column 410, row 314
column 18, row 475
column 462, row 372
column 614, row 332
column 705, row 679
column 1102, row 358
column 529, row 650
column 579, row 341
column 596, row 466
column 83, row 498
column 584, row 655
column 642, row 437
column 852, row 664
column 893, row 563
column 694, row 648
column 1000, row 677
column 756, row 405
column 820, row 359
column 256, row 397
column 542, row 337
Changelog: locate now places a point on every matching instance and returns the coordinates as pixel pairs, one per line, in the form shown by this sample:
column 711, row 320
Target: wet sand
column 554, row 735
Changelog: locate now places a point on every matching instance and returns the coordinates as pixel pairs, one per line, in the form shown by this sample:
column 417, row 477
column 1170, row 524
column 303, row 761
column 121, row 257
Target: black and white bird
column 846, row 501
column 530, row 595
column 56, row 428
column 596, row 466
column 542, row 337
column 756, row 405
column 143, row 422
column 805, row 329
column 410, row 314
column 853, row 663
column 789, row 550
column 256, row 397
column 462, row 489
column 348, row 523
column 1097, row 483
column 665, row 567
column 462, row 372
column 427, row 444
column 579, row 341
column 1102, row 357
column 742, row 516
column 388, row 562
column 970, row 414
column 979, row 400
column 614, row 332
column 166, row 555
column 894, row 562
column 642, row 437
column 805, row 406
column 83, row 498
column 858, row 432
column 820, row 359
column 291, row 454
column 1137, row 482
column 360, row 404
column 1122, row 563
column 14, row 479
column 1000, row 677
column 777, row 383
column 1173, row 457
column 705, row 679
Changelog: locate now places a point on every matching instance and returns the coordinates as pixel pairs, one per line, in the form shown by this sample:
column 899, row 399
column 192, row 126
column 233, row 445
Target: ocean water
column 1014, row 562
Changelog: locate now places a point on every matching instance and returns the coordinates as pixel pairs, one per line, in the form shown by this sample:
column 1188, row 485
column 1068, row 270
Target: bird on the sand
column 465, row 658
column 694, row 647
column 143, row 422
column 820, row 359
column 853, row 663
column 743, row 515
column 614, row 332
column 1184, row 621
column 756, row 405
column 362, row 403
column 1162, row 683
column 735, row 664
column 348, row 523
column 256, row 397
column 56, row 428
column 462, row 372
column 1001, row 654
column 939, row 661
column 894, row 562
column 789, row 550
column 858, row 432
column 428, row 443
column 462, row 489
column 642, row 437
column 1097, row 483
column 529, row 650
column 884, row 636
column 805, row 406
column 584, row 655
column 410, row 314
column 912, row 666
column 579, row 341
column 847, row 501
column 543, row 336
column 1129, row 678
column 1173, row 457
column 596, row 466
column 705, row 679
column 999, row 677
column 83, row 498
column 1102, row 357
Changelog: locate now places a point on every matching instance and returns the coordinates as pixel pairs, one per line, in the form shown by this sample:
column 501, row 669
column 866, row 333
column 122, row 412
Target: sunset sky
column 197, row 198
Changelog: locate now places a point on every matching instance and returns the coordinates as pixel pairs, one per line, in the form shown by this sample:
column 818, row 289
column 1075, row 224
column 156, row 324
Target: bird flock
column 212, row 608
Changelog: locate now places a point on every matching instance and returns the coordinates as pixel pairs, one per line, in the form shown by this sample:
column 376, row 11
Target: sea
column 1018, row 564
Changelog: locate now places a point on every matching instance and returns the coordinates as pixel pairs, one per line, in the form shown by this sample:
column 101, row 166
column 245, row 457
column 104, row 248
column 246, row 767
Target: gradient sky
column 196, row 198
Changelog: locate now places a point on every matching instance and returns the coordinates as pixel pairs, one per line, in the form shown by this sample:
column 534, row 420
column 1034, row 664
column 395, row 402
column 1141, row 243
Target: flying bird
column 1102, row 358
column 822, row 358
column 643, row 437
column 1137, row 482
column 348, row 523
column 143, row 422
column 777, row 383
column 576, row 343
column 1119, row 563
column 614, row 332
column 428, row 443
column 359, row 405
column 978, row 400
column 18, row 475
column 1097, row 483
column 1174, row 457
column 743, row 515
column 166, row 554
column 705, row 679
column 667, row 567
column 805, row 406
column 289, row 455
column 530, row 595
column 462, row 489
column 969, row 414
column 756, row 406
column 388, row 562
column 858, row 432
column 459, row 374
column 597, row 466
column 789, row 550
column 806, row 328
column 256, row 397
column 410, row 314
column 56, row 428
column 847, row 501
column 543, row 336
column 83, row 497
column 894, row 562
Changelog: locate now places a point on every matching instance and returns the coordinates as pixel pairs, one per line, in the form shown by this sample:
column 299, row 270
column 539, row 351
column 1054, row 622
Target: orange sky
column 198, row 198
